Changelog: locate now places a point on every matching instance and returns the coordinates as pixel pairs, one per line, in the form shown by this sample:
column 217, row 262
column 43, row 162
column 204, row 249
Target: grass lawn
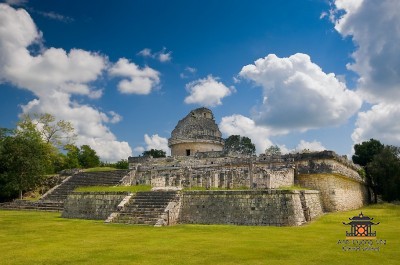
column 28, row 237
column 99, row 169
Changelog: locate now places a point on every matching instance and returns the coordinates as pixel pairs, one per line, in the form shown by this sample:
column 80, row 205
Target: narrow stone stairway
column 145, row 207
column 306, row 210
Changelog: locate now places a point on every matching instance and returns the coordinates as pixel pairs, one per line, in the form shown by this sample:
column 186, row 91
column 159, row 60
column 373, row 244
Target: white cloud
column 153, row 142
column 310, row 146
column 146, row 52
column 207, row 92
column 374, row 28
column 16, row 2
column 162, row 56
column 380, row 122
column 141, row 81
column 87, row 121
column 297, row 94
column 54, row 75
column 241, row 125
column 156, row 142
column 189, row 71
column 55, row 16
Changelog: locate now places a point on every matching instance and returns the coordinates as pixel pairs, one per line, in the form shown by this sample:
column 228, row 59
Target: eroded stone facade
column 214, row 172
column 196, row 133
column 263, row 207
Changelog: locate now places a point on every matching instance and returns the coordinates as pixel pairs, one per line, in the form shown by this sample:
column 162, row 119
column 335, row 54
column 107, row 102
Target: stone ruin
column 200, row 184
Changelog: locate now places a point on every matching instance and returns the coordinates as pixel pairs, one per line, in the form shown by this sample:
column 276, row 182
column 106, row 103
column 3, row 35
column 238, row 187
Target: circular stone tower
column 197, row 132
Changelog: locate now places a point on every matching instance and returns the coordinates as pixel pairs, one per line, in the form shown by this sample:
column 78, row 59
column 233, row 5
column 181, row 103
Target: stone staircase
column 145, row 207
column 33, row 205
column 84, row 179
column 306, row 210
column 55, row 198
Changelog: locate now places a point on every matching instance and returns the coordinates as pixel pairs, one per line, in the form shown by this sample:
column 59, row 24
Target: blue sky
column 311, row 74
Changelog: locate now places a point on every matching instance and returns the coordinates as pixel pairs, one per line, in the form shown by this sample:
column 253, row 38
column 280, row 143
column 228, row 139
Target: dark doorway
column 187, row 152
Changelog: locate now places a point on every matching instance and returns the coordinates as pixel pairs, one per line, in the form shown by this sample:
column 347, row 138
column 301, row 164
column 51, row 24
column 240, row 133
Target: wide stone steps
column 84, row 179
column 145, row 208
column 33, row 205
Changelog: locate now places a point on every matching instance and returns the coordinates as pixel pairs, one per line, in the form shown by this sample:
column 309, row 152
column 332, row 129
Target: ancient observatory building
column 195, row 133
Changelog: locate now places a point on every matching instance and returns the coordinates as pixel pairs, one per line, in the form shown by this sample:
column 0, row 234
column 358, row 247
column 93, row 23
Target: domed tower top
column 197, row 132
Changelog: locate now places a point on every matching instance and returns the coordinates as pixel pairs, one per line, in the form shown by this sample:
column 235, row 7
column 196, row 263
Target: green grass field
column 28, row 237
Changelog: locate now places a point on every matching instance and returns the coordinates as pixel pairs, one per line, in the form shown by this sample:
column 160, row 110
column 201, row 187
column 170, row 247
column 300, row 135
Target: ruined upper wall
column 327, row 162
column 198, row 124
column 197, row 132
column 321, row 156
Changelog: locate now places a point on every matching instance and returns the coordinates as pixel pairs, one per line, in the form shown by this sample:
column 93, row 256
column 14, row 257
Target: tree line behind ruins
column 40, row 146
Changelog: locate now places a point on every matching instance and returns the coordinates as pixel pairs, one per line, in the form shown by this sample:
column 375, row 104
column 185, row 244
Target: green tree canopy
column 88, row 157
column 72, row 156
column 240, row 145
column 24, row 159
column 365, row 152
column 122, row 164
column 156, row 153
column 384, row 171
column 382, row 167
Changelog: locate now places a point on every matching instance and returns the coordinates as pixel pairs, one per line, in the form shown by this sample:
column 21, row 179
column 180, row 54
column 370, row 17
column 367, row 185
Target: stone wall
column 338, row 193
column 313, row 205
column 266, row 178
column 179, row 149
column 92, row 205
column 217, row 172
column 242, row 207
column 324, row 166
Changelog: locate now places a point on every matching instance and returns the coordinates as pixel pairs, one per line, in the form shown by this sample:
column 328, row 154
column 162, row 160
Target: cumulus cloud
column 244, row 126
column 297, row 94
column 140, row 81
column 380, row 122
column 153, row 142
column 310, row 146
column 207, row 92
column 156, row 142
column 374, row 28
column 53, row 76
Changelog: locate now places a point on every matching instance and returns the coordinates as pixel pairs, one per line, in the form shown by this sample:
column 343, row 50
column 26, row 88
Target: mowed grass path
column 29, row 237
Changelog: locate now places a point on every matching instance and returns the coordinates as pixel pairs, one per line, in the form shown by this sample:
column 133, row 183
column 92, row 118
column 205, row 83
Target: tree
column 384, row 171
column 24, row 159
column 364, row 153
column 88, row 157
column 273, row 150
column 58, row 133
column 240, row 145
column 72, row 156
column 156, row 153
column 122, row 164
